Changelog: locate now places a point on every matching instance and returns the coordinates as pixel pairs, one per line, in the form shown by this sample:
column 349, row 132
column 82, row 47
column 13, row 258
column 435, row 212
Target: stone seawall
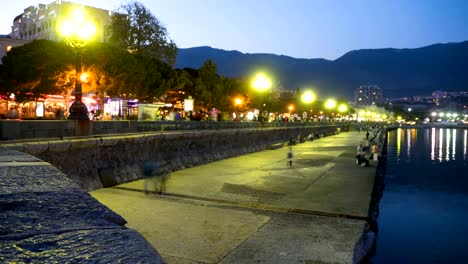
column 31, row 129
column 101, row 161
column 46, row 218
column 365, row 247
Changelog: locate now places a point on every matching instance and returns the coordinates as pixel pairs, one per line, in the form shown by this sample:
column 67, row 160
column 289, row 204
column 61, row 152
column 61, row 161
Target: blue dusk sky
column 297, row 28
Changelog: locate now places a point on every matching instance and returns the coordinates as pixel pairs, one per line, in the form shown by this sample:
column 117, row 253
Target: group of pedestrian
column 365, row 153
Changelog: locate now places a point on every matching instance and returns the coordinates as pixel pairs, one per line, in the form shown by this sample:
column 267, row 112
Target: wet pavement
column 254, row 208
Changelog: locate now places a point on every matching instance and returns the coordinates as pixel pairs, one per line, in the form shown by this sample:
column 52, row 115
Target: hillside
column 399, row 72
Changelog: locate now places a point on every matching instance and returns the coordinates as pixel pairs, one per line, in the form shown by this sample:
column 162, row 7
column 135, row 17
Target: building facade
column 40, row 22
column 368, row 95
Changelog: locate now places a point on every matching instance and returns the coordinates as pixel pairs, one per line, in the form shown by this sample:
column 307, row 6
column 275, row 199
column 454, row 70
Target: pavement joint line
column 246, row 239
column 191, row 260
column 256, row 206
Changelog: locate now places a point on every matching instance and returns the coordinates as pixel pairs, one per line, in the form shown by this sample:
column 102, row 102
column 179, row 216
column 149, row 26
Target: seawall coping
column 47, row 218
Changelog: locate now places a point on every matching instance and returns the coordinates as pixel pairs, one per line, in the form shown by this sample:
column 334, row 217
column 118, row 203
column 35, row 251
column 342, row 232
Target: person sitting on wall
column 292, row 141
column 360, row 157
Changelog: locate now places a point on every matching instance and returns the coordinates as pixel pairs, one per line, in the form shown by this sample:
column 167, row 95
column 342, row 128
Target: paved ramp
column 256, row 209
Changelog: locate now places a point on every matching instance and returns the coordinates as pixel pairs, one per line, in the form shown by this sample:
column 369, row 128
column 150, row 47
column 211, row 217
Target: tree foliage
column 30, row 71
column 134, row 28
column 44, row 67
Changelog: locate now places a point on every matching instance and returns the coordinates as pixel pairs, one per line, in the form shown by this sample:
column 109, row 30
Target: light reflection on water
column 444, row 143
column 424, row 208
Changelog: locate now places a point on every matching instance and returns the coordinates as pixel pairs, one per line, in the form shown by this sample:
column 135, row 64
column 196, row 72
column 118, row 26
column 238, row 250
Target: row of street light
column 262, row 84
column 78, row 30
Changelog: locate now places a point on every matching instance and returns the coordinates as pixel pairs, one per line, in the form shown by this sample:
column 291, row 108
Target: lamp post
column 307, row 98
column 262, row 84
column 330, row 104
column 237, row 103
column 291, row 109
column 77, row 31
column 342, row 108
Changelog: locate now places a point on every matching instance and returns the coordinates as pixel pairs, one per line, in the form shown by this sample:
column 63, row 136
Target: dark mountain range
column 399, row 72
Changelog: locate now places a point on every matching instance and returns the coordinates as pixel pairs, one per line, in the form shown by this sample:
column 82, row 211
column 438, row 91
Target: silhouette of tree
column 135, row 29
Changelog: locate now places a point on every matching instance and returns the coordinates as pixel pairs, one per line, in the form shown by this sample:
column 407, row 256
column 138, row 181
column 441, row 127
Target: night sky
column 298, row 28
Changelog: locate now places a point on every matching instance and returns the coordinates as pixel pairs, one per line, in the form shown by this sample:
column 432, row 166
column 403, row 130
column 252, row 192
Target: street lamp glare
column 84, row 77
column 308, row 97
column 76, row 27
column 67, row 28
column 87, row 31
column 78, row 15
column 330, row 103
column 261, row 82
column 342, row 108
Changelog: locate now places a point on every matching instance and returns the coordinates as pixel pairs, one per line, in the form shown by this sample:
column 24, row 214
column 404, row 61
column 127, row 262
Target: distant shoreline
column 435, row 126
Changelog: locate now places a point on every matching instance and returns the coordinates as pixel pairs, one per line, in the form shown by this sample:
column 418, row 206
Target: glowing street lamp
column 342, row 108
column 308, row 97
column 261, row 82
column 330, row 104
column 77, row 30
column 237, row 101
column 84, row 77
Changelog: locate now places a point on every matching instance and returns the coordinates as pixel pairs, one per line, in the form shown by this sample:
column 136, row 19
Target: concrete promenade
column 254, row 208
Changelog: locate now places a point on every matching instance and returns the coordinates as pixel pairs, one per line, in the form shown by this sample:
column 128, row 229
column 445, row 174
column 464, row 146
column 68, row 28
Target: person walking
column 290, row 157
column 149, row 167
column 155, row 177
